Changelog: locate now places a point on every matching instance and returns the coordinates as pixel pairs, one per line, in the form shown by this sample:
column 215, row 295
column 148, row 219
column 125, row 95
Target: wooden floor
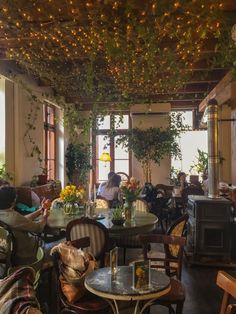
column 202, row 294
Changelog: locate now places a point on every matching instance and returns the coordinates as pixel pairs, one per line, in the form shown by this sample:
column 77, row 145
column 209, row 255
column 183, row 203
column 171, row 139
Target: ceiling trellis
column 107, row 50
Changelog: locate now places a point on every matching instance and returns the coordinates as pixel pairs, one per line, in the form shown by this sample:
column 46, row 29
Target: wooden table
column 143, row 222
column 112, row 289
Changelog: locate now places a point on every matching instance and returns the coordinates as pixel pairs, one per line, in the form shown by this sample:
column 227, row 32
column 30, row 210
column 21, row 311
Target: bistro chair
column 228, row 283
column 87, row 304
column 98, row 233
column 101, row 205
column 124, row 176
column 171, row 265
column 37, row 266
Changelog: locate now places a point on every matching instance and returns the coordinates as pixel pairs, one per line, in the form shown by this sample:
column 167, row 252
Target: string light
column 129, row 47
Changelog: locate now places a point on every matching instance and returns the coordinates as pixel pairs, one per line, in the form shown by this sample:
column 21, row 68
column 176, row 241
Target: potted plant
column 153, row 144
column 118, row 216
column 78, row 157
column 43, row 177
column 4, row 174
column 199, row 165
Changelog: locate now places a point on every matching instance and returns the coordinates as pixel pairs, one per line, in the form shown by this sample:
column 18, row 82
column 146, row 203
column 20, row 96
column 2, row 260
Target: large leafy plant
column 78, row 162
column 153, row 144
column 201, row 162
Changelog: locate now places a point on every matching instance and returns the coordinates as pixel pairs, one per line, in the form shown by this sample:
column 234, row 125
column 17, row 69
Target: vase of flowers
column 72, row 197
column 130, row 191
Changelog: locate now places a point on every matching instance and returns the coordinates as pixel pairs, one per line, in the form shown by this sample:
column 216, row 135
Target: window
column 189, row 142
column 50, row 140
column 120, row 158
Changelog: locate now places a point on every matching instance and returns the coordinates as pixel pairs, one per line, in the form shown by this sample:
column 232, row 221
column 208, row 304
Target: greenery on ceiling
column 115, row 50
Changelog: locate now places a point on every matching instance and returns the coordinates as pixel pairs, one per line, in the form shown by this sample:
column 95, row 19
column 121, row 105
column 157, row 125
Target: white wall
column 18, row 106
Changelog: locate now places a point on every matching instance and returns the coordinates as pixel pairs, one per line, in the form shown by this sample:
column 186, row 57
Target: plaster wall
column 142, row 118
column 18, row 105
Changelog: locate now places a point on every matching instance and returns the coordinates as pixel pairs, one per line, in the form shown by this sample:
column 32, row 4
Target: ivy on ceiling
column 115, row 50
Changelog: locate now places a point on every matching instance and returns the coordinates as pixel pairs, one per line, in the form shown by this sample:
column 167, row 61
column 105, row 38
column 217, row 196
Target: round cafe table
column 112, row 288
column 142, row 223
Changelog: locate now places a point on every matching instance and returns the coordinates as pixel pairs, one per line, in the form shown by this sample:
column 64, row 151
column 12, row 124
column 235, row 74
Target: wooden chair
column 89, row 303
column 177, row 228
column 172, row 267
column 132, row 241
column 228, row 283
column 101, row 205
column 98, row 233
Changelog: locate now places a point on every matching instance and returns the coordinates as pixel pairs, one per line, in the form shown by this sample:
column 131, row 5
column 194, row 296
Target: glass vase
column 71, row 208
column 129, row 210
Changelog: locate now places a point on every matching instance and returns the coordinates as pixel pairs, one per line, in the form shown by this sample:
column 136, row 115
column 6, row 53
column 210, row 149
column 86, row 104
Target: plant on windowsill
column 201, row 163
column 4, row 174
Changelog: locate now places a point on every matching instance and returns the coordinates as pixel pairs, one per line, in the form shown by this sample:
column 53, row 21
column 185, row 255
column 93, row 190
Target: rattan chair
column 228, row 283
column 172, row 267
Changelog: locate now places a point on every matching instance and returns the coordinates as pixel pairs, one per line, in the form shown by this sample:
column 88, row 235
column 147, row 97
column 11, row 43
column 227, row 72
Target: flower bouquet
column 130, row 191
column 72, row 197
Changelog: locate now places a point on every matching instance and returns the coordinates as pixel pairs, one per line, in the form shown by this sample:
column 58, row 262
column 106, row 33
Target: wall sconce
column 105, row 157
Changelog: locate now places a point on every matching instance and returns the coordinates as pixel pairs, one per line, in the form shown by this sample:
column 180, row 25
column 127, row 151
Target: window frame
column 48, row 127
column 95, row 133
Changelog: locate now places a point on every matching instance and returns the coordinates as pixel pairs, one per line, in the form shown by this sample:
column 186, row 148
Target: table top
column 102, row 283
column 143, row 222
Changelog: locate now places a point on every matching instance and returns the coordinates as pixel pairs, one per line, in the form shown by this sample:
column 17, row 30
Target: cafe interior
column 118, row 156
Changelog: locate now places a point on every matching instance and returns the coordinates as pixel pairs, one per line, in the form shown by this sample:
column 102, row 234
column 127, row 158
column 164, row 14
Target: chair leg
column 179, row 307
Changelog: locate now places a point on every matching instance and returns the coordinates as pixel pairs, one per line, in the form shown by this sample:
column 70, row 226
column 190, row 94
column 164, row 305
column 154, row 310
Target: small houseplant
column 201, row 163
column 118, row 216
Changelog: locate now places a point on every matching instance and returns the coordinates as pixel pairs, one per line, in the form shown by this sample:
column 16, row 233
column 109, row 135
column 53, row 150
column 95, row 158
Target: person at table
column 26, row 243
column 102, row 185
column 111, row 191
column 182, row 180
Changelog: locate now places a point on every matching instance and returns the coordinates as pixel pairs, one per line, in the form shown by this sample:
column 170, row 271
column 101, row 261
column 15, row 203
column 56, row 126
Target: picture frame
column 141, row 275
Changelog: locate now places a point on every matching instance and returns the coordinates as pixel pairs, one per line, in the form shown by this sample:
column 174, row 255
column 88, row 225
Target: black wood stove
column 210, row 227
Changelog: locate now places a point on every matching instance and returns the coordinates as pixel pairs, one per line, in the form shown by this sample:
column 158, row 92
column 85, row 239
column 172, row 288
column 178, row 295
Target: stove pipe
column 213, row 151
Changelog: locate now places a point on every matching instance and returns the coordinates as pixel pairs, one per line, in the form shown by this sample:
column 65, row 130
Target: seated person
column 182, row 181
column 111, row 190
column 26, row 244
column 102, row 185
